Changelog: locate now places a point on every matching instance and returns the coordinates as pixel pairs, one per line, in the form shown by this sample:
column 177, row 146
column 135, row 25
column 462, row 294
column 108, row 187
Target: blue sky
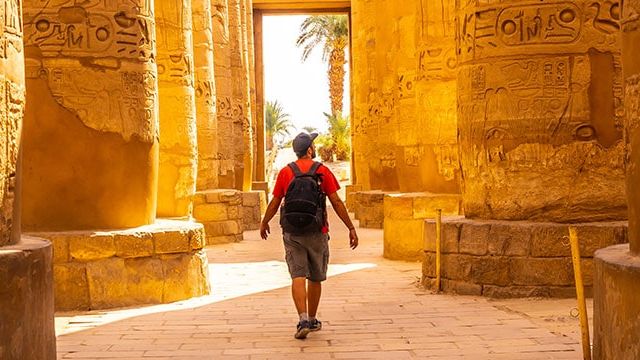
column 301, row 88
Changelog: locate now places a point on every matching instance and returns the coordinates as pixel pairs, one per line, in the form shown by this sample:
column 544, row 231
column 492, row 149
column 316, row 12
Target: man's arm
column 342, row 212
column 272, row 210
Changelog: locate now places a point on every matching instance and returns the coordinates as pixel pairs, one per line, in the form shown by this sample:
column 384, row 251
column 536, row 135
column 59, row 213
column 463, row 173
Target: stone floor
column 371, row 309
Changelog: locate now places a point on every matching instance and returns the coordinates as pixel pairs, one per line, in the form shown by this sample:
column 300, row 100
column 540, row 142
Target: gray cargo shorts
column 307, row 255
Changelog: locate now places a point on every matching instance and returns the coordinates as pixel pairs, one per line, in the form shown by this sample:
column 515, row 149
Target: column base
column 159, row 263
column 616, row 304
column 26, row 301
column 369, row 208
column 350, row 191
column 254, row 204
column 220, row 211
column 262, row 186
column 513, row 259
column 404, row 216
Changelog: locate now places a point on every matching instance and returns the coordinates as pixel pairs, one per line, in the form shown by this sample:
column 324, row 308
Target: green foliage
column 277, row 122
column 338, row 141
column 325, row 31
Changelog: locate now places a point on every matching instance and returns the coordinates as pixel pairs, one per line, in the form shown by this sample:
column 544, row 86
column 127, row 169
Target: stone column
column 224, row 92
column 91, row 132
column 208, row 163
column 540, row 111
column 259, row 119
column 26, row 285
column 540, row 123
column 617, row 268
column 178, row 146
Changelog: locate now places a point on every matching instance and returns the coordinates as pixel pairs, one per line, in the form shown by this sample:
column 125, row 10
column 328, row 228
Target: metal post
column 438, row 247
column 582, row 305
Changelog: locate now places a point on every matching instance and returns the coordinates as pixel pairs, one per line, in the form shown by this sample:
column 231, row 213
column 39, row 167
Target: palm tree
column 332, row 32
column 338, row 143
column 277, row 122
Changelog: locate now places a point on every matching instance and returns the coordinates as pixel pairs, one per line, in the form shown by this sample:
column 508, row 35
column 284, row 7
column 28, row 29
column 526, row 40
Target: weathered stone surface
column 474, row 239
column 145, row 280
column 90, row 148
column 403, row 239
column 176, row 96
column 450, row 236
column 134, row 245
column 350, row 191
column 71, row 287
column 60, row 246
column 616, row 304
column 94, row 247
column 169, row 242
column 26, row 301
column 370, row 209
column 506, row 240
column 541, row 271
column 529, row 150
column 185, row 276
column 461, row 287
column 223, row 239
column 211, row 212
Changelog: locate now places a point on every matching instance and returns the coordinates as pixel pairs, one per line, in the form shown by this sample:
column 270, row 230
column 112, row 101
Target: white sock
column 304, row 316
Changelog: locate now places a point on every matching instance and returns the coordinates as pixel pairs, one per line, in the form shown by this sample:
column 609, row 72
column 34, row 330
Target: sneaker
column 315, row 325
column 302, row 329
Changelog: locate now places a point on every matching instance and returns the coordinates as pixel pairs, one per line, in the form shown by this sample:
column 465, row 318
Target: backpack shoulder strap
column 296, row 169
column 314, row 168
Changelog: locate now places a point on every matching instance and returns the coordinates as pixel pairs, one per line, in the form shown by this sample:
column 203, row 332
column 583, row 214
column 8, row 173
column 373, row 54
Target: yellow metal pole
column 438, row 247
column 582, row 304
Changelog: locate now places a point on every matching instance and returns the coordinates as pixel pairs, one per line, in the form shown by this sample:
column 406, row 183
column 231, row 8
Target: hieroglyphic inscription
column 505, row 28
column 220, row 16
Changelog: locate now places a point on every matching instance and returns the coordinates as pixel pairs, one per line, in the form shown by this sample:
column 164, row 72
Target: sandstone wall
column 91, row 132
column 176, row 92
column 404, row 118
column 540, row 106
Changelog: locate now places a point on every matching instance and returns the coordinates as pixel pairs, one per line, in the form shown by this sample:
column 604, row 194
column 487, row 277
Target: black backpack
column 304, row 206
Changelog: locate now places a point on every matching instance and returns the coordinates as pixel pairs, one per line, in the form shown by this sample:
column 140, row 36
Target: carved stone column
column 26, row 285
column 617, row 268
column 178, row 145
column 91, row 132
column 207, row 122
column 540, row 123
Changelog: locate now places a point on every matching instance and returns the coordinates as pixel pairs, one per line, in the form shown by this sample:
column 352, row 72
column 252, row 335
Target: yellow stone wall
column 90, row 146
column 541, row 110
column 12, row 101
column 404, row 94
column 207, row 122
column 176, row 90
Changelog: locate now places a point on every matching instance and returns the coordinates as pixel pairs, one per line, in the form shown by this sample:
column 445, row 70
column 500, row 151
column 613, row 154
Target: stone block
column 596, row 236
column 92, row 246
column 450, row 236
column 474, row 238
column 169, row 242
column 185, row 276
column 550, row 240
column 71, row 289
column 403, row 239
column 508, row 240
column 235, row 212
column 425, row 205
column 107, row 283
column 457, row 266
column 210, row 212
column 509, row 292
column 197, row 239
column 542, row 271
column 429, row 264
column 222, row 228
column 134, row 244
column 251, row 198
column 461, row 287
column 144, row 280
column 490, row 270
column 60, row 246
column 350, row 191
column 398, row 206
column 370, row 209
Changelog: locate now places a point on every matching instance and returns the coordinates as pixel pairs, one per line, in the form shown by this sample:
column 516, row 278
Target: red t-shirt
column 329, row 184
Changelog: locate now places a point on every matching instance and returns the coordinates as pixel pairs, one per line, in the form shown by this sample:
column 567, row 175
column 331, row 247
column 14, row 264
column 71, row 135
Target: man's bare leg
column 299, row 293
column 313, row 297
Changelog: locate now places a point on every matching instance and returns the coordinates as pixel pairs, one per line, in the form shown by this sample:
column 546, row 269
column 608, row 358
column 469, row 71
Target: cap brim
column 313, row 136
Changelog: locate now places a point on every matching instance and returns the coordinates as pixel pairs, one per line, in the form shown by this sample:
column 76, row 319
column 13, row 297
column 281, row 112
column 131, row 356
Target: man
column 307, row 255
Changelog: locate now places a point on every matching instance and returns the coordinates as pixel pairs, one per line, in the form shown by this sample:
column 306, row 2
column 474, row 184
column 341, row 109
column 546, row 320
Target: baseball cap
column 303, row 141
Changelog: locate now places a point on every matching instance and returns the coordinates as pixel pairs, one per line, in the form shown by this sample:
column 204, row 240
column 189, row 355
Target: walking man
column 304, row 185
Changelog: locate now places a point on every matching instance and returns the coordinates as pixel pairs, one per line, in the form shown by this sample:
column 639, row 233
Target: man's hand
column 353, row 239
column 265, row 230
